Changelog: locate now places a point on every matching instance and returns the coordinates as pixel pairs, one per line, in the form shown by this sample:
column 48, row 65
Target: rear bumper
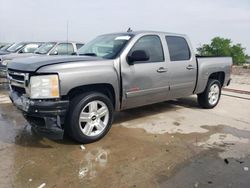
column 46, row 117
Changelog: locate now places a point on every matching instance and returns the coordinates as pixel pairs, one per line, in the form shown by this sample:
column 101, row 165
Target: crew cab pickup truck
column 79, row 94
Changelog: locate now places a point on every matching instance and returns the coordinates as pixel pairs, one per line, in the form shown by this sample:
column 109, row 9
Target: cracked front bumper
column 45, row 116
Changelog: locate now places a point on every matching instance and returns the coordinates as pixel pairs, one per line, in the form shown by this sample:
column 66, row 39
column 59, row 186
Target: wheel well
column 220, row 76
column 106, row 89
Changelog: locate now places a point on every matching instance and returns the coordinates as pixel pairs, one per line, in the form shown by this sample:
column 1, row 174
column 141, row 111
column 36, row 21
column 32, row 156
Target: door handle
column 190, row 67
column 162, row 69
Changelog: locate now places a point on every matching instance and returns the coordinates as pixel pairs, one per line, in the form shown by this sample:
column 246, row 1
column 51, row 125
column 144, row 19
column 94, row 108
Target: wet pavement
column 170, row 144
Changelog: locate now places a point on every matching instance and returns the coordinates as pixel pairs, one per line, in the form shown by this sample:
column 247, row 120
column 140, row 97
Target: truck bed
column 207, row 65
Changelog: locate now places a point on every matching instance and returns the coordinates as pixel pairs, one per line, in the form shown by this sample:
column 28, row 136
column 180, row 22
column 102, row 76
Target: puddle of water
column 231, row 146
column 208, row 171
column 94, row 160
column 236, row 132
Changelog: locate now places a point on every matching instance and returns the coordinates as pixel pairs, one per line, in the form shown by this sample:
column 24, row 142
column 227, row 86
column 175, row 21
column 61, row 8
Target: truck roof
column 147, row 32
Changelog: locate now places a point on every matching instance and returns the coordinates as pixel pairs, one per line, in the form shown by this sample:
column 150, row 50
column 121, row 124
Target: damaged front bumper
column 45, row 116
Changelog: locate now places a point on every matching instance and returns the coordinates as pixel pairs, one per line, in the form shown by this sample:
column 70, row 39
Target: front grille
column 19, row 90
column 16, row 77
column 18, row 81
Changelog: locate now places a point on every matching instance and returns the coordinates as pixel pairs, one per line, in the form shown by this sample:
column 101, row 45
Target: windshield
column 16, row 47
column 45, row 48
column 106, row 46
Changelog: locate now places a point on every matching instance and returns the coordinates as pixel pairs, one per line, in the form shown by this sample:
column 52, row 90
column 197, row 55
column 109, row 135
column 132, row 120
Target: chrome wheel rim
column 94, row 118
column 213, row 95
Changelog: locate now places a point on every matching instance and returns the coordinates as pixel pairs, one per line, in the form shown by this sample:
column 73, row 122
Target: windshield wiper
column 89, row 54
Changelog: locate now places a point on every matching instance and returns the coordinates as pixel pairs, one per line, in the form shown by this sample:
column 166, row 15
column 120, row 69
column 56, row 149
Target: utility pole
column 67, row 37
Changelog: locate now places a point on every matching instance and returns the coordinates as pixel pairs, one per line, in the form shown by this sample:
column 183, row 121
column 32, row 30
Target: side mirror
column 138, row 55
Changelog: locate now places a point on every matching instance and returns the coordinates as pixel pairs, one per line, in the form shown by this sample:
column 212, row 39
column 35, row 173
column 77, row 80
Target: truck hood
column 31, row 64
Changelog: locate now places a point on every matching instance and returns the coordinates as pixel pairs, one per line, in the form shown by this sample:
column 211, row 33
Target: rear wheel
column 211, row 96
column 90, row 117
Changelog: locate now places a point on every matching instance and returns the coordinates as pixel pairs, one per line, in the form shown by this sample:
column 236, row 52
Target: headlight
column 5, row 62
column 44, row 87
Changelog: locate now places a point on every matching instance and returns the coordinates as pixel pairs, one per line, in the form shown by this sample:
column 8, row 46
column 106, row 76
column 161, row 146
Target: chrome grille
column 18, row 81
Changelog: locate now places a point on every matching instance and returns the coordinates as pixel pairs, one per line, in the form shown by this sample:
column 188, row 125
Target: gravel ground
column 240, row 75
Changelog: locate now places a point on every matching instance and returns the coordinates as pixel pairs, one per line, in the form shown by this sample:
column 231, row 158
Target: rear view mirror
column 138, row 55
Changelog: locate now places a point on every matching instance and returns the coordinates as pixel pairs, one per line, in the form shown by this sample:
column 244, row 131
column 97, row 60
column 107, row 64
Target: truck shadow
column 172, row 105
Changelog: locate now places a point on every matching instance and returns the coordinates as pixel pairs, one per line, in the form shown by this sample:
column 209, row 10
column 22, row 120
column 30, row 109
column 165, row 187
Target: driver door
column 145, row 82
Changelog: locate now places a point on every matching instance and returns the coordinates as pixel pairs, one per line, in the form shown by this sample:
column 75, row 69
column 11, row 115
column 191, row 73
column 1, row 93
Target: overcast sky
column 201, row 20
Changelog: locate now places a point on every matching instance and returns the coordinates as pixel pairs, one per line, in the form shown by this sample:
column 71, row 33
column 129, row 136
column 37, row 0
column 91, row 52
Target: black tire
column 203, row 98
column 76, row 106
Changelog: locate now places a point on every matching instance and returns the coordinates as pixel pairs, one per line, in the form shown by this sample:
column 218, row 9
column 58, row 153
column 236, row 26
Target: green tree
column 224, row 47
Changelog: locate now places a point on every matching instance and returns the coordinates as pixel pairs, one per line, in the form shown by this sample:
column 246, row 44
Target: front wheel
column 90, row 117
column 211, row 96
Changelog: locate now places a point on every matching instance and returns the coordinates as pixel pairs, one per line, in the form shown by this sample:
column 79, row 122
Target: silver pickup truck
column 79, row 94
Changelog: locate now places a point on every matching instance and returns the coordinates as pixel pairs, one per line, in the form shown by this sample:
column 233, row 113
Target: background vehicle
column 59, row 48
column 5, row 48
column 23, row 49
column 48, row 48
column 3, row 44
column 116, row 72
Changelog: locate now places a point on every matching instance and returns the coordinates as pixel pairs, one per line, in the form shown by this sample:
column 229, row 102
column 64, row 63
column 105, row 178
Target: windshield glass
column 105, row 46
column 16, row 47
column 45, row 48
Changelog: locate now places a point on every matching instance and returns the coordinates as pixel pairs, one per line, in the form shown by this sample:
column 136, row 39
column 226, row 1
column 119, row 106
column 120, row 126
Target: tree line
column 224, row 47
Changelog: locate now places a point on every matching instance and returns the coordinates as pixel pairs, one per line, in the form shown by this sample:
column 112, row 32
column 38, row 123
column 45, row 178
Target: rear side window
column 178, row 48
column 152, row 45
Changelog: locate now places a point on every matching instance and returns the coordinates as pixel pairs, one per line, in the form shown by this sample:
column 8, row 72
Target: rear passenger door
column 182, row 67
column 145, row 82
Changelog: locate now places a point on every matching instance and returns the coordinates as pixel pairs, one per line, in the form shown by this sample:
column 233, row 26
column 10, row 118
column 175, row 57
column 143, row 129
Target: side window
column 29, row 48
column 178, row 48
column 63, row 49
column 78, row 45
column 151, row 44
